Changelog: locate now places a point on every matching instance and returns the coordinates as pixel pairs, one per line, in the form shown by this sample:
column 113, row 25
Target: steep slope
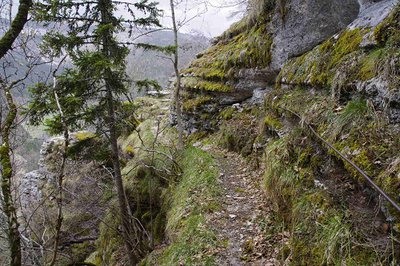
column 257, row 183
column 327, row 77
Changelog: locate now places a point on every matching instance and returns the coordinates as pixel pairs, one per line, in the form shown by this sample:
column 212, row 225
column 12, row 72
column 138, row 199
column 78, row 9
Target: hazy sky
column 211, row 21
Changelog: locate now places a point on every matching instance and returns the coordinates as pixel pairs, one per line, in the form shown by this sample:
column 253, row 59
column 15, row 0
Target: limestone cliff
column 248, row 57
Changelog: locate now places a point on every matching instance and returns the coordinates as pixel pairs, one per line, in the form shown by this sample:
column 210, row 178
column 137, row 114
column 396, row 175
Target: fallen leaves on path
column 240, row 222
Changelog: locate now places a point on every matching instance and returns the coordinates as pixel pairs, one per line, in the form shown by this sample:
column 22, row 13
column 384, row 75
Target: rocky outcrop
column 86, row 192
column 300, row 25
column 362, row 61
column 332, row 44
column 32, row 183
column 377, row 91
column 372, row 13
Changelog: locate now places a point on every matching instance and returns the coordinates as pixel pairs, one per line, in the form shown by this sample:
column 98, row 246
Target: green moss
column 348, row 42
column 340, row 62
column 368, row 65
column 191, row 104
column 239, row 132
column 129, row 150
column 147, row 176
column 198, row 84
column 320, row 227
column 227, row 113
column 388, row 30
column 272, row 122
column 243, row 47
column 318, row 67
column 320, row 232
column 84, row 135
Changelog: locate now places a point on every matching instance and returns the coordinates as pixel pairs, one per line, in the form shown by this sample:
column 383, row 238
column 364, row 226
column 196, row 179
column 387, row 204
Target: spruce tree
column 89, row 92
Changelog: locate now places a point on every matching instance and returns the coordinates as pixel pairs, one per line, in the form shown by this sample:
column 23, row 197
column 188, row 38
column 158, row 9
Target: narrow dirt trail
column 238, row 224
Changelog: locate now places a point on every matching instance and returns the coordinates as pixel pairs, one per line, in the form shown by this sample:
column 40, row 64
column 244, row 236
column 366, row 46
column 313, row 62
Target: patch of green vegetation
column 355, row 112
column 110, row 245
column 389, row 29
column 387, row 35
column 340, row 62
column 227, row 113
column 245, row 45
column 129, row 150
column 191, row 104
column 250, row 48
column 320, row 232
column 198, row 84
column 368, row 65
column 148, row 172
column 272, row 122
column 327, row 228
column 84, row 135
column 126, row 117
column 319, row 66
column 348, row 42
column 192, row 198
column 239, row 132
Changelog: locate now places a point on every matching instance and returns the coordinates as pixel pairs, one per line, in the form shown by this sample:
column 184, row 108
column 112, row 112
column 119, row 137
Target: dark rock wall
column 300, row 25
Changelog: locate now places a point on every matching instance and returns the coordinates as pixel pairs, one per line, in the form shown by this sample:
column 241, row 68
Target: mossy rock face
column 318, row 67
column 228, row 71
column 248, row 47
column 300, row 25
column 345, row 65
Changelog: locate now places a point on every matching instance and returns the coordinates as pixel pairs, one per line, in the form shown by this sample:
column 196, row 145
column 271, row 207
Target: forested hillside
column 276, row 145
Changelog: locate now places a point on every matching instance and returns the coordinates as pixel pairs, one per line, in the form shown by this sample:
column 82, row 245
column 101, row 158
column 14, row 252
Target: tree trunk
column 122, row 201
column 60, row 180
column 133, row 251
column 177, row 100
column 9, row 208
column 16, row 27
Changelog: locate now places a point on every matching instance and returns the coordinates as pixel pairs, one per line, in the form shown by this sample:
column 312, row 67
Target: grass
column 191, row 199
column 355, row 112
column 199, row 84
column 322, row 232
